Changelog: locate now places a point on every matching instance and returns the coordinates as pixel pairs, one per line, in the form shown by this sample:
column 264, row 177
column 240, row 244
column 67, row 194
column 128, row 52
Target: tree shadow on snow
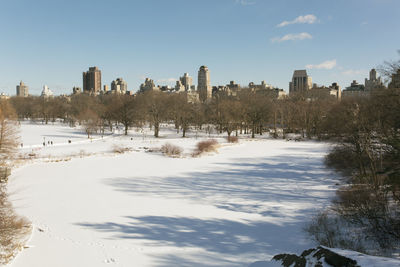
column 285, row 191
column 261, row 187
column 228, row 240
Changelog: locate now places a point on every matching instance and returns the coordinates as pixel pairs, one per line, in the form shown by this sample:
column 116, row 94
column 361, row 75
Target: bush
column 232, row 139
column 171, row 150
column 330, row 230
column 120, row 150
column 13, row 229
column 342, row 159
column 205, row 146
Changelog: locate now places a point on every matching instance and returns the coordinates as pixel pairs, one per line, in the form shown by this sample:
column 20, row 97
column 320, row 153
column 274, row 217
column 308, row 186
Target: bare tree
column 154, row 105
column 389, row 67
column 8, row 131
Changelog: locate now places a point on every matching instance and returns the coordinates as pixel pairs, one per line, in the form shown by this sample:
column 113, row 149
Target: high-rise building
column 203, row 84
column 119, row 86
column 148, row 85
column 373, row 82
column 324, row 92
column 92, row 80
column 76, row 90
column 186, row 81
column 300, row 82
column 262, row 86
column 179, row 87
column 46, row 92
column 355, row 89
column 22, row 90
column 395, row 83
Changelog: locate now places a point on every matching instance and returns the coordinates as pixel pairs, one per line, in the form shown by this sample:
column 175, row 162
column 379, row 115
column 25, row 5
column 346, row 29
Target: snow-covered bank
column 327, row 257
column 246, row 203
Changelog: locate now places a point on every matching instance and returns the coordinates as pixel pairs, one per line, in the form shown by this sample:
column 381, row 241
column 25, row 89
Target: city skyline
column 244, row 41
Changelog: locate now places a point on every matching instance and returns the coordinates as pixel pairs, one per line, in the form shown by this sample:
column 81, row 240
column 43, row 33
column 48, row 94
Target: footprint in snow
column 110, row 260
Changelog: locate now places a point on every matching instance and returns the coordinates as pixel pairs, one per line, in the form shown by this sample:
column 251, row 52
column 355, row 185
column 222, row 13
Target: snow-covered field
column 243, row 204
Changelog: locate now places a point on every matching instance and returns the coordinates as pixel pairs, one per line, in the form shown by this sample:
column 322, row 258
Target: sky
column 53, row 41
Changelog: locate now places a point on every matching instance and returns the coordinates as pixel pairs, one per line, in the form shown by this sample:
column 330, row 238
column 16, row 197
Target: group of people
column 48, row 143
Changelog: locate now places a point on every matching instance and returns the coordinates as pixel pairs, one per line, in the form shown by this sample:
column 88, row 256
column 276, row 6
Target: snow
column 241, row 205
column 366, row 260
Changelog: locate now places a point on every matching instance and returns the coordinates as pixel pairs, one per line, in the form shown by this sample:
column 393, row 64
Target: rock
column 315, row 257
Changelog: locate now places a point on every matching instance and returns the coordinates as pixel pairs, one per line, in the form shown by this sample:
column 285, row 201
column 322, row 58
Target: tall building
column 186, row 81
column 76, row 90
column 148, row 85
column 46, row 92
column 323, row 92
column 179, row 87
column 395, row 83
column 92, row 80
column 355, row 89
column 261, row 86
column 22, row 90
column 203, row 84
column 373, row 81
column 300, row 82
column 119, row 86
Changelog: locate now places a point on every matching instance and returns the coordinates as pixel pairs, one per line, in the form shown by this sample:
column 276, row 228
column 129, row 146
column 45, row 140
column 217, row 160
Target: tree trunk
column 156, row 129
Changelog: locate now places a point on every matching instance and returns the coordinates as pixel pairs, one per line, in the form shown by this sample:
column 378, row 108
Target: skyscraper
column 22, row 90
column 119, row 86
column 186, row 81
column 300, row 82
column 92, row 80
column 373, row 82
column 203, row 84
column 46, row 92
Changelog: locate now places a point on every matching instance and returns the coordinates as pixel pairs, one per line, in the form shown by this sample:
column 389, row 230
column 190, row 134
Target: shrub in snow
column 205, row 146
column 232, row 139
column 13, row 229
column 171, row 150
column 331, row 230
column 120, row 150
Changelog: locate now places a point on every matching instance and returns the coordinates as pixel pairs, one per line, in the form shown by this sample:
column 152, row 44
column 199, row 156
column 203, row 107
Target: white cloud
column 326, row 65
column 307, row 19
column 351, row 72
column 245, row 2
column 167, row 80
column 292, row 37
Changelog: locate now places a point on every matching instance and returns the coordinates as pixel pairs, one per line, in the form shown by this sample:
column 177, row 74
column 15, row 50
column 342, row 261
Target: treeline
column 13, row 228
column 367, row 153
column 250, row 112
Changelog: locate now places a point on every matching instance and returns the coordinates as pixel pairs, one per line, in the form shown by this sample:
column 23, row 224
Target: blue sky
column 53, row 41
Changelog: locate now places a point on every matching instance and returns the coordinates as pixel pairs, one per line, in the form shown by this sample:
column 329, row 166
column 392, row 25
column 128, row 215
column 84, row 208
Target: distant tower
column 76, row 90
column 203, row 84
column 186, row 81
column 395, row 83
column 22, row 90
column 119, row 86
column 46, row 92
column 300, row 82
column 373, row 81
column 148, row 85
column 92, row 80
